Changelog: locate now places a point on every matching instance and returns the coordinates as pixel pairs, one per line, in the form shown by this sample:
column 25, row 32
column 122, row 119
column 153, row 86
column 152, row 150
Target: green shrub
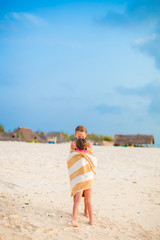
column 66, row 135
column 94, row 137
column 72, row 138
column 19, row 135
column 106, row 138
column 2, row 129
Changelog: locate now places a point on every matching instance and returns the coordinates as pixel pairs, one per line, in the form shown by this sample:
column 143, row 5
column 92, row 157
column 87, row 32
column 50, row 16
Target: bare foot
column 86, row 214
column 74, row 224
column 91, row 222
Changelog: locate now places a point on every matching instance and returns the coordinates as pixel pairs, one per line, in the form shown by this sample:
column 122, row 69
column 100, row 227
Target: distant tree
column 94, row 137
column 2, row 129
column 66, row 135
column 99, row 138
column 72, row 137
column 106, row 138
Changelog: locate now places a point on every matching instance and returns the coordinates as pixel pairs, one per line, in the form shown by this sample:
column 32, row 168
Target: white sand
column 34, row 183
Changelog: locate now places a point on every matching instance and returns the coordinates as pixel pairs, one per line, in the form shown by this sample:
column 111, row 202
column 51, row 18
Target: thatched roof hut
column 5, row 136
column 42, row 137
column 59, row 135
column 139, row 139
column 26, row 134
column 9, row 137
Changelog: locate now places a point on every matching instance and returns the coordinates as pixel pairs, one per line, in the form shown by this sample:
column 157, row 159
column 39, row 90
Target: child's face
column 79, row 134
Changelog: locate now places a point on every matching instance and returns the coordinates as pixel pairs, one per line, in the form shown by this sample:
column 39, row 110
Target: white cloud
column 142, row 41
column 16, row 16
column 34, row 19
column 26, row 18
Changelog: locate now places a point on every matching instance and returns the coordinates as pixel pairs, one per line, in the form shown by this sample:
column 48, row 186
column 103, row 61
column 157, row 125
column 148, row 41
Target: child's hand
column 90, row 150
column 72, row 146
column 89, row 145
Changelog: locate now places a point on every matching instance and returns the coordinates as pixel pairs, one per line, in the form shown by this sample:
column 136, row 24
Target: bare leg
column 77, row 201
column 88, row 196
column 90, row 211
column 86, row 209
column 85, row 206
column 74, row 201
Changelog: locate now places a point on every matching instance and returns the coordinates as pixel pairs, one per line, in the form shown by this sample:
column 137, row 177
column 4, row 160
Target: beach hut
column 137, row 140
column 42, row 137
column 25, row 134
column 9, row 137
column 59, row 136
column 5, row 136
column 52, row 140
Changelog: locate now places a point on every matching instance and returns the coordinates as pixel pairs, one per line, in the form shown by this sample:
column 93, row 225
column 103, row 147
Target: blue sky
column 69, row 63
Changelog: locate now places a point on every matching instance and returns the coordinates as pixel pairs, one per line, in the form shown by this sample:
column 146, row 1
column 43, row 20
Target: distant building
column 25, row 134
column 134, row 140
column 10, row 137
column 42, row 137
column 28, row 135
column 59, row 135
column 52, row 140
column 46, row 138
column 5, row 136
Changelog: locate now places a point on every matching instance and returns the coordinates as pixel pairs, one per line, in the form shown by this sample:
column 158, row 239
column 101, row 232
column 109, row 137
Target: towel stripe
column 90, row 162
column 80, row 171
column 77, row 165
column 82, row 178
column 82, row 186
column 77, row 157
column 73, row 160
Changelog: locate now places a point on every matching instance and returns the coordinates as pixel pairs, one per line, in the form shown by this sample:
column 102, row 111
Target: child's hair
column 81, row 143
column 81, row 129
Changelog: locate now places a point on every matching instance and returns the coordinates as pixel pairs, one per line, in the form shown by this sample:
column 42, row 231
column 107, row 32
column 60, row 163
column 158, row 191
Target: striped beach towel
column 81, row 168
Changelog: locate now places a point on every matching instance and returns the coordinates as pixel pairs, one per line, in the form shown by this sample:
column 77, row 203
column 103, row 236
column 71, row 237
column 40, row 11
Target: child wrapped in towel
column 81, row 168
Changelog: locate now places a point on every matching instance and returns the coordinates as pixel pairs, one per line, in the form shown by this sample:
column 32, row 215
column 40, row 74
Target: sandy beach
column 35, row 201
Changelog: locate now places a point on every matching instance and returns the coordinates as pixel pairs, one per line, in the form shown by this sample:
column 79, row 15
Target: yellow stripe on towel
column 82, row 186
column 84, row 169
column 73, row 160
column 81, row 169
column 89, row 161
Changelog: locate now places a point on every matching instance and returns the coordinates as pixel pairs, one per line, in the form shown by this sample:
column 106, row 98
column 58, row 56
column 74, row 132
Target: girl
column 81, row 145
column 81, row 133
